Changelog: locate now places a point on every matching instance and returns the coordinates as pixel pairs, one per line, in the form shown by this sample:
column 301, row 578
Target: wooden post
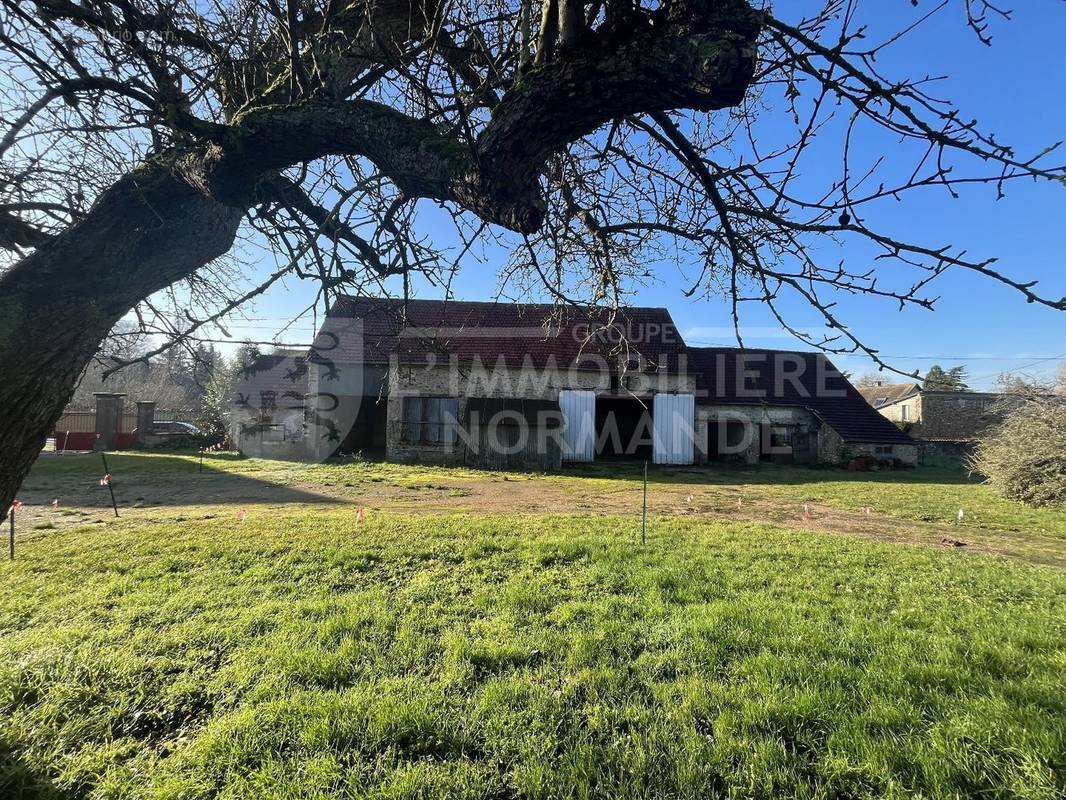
column 644, row 510
column 11, row 536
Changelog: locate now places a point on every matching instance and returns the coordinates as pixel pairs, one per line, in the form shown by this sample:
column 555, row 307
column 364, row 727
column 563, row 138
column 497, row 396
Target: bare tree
column 144, row 138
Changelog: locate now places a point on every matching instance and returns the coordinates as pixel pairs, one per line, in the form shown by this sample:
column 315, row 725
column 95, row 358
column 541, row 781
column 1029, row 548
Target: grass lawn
column 471, row 640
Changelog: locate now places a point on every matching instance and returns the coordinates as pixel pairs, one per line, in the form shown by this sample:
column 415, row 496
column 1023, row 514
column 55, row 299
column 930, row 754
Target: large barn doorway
column 361, row 412
column 366, row 437
column 624, row 427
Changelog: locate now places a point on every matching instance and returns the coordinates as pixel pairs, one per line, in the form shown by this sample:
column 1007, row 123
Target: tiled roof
column 888, row 393
column 789, row 378
column 369, row 330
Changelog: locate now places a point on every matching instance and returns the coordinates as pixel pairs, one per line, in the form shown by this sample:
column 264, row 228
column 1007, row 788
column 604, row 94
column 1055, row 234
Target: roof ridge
column 492, row 303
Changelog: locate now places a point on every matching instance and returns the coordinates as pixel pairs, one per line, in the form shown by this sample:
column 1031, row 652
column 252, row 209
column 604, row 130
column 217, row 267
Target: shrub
column 1025, row 457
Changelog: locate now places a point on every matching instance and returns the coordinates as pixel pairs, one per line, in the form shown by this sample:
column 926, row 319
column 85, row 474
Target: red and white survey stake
column 360, row 514
column 106, row 480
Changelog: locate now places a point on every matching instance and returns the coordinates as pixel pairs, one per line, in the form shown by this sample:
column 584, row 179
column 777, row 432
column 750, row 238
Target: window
column 883, row 450
column 904, row 413
column 430, row 420
column 780, row 438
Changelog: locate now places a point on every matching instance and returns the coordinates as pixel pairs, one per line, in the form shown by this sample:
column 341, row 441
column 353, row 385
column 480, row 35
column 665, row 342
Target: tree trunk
column 143, row 234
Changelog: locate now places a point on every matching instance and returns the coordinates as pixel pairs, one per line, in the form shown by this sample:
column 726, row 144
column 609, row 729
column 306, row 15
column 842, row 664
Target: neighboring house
column 268, row 406
column 938, row 415
column 532, row 386
column 901, row 397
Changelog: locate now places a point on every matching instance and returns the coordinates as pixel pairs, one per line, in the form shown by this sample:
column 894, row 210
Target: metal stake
column 11, row 536
column 110, row 488
column 644, row 510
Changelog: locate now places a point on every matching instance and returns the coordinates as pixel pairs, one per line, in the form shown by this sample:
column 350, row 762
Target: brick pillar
column 108, row 419
column 145, row 420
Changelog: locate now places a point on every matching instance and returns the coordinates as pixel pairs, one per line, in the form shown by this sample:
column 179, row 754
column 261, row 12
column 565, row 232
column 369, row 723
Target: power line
column 916, row 358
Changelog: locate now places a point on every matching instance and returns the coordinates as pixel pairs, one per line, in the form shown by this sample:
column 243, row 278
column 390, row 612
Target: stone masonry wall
column 958, row 415
column 477, row 381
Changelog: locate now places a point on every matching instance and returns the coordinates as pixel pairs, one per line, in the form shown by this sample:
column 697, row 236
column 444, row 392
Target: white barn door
column 673, row 424
column 579, row 429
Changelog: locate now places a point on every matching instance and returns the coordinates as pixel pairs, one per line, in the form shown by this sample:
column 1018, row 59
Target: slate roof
column 888, row 393
column 536, row 334
column 789, row 378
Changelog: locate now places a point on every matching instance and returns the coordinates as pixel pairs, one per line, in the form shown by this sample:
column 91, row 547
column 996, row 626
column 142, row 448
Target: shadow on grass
column 20, row 782
column 155, row 479
column 762, row 474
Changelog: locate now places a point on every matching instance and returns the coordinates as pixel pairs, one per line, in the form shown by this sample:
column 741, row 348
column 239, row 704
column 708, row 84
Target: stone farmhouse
column 534, row 386
column 938, row 415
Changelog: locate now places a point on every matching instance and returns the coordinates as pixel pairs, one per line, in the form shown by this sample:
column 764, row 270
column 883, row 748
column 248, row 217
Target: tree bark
column 144, row 233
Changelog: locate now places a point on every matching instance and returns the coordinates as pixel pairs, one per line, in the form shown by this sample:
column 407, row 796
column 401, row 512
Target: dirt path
column 195, row 495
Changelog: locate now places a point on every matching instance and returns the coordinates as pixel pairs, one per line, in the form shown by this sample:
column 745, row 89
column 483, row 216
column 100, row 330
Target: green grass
column 300, row 655
column 922, row 495
column 925, row 495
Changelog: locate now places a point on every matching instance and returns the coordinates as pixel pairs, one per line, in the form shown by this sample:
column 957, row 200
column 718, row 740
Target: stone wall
column 944, row 453
column 495, row 382
column 958, row 415
column 832, row 449
column 711, row 419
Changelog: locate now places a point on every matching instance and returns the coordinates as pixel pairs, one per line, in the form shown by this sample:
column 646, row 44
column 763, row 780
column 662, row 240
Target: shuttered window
column 430, row 420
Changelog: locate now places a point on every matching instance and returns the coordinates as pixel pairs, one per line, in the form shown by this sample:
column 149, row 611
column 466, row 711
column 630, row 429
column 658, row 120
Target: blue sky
column 1017, row 89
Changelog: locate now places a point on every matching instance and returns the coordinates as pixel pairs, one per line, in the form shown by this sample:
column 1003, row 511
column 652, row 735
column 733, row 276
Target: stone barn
column 786, row 407
column 501, row 385
column 496, row 384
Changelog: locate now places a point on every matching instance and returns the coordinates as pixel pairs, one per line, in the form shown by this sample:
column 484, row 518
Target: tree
column 220, row 389
column 143, row 137
column 1024, row 458
column 939, row 380
column 1018, row 386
